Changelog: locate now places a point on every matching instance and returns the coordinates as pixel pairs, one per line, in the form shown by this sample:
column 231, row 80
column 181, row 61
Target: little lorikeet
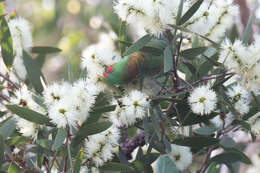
column 130, row 67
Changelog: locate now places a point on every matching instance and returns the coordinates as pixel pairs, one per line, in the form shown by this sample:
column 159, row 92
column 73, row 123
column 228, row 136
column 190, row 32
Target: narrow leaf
column 168, row 59
column 2, row 149
column 8, row 127
column 113, row 166
column 165, row 164
column 29, row 115
column 180, row 9
column 45, row 50
column 190, row 12
column 90, row 129
column 247, row 32
column 231, row 156
column 6, row 43
column 196, row 141
column 59, row 139
column 122, row 37
column 139, row 44
column 34, row 72
column 193, row 52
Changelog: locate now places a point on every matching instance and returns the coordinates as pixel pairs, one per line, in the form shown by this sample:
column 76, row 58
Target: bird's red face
column 108, row 71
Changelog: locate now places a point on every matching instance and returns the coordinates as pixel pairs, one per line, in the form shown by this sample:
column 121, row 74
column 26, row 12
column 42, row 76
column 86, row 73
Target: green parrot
column 130, row 67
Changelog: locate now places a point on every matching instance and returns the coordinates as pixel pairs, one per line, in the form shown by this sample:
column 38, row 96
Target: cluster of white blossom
column 97, row 57
column 129, row 109
column 240, row 99
column 182, row 156
column 101, row 147
column 22, row 40
column 156, row 16
column 244, row 61
column 255, row 168
column 24, row 98
column 254, row 122
column 212, row 20
column 203, row 100
column 69, row 104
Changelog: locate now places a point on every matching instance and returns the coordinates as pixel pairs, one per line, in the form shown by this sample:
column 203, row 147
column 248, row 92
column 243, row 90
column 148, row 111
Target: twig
column 8, row 80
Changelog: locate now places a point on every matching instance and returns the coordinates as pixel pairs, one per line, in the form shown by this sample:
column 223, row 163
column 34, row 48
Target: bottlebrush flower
column 100, row 148
column 130, row 108
column 244, row 61
column 22, row 40
column 24, row 98
column 255, row 123
column 182, row 156
column 202, row 100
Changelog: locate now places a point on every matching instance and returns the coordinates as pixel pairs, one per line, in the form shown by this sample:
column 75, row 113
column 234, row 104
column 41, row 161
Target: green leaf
column 190, row 12
column 97, row 112
column 139, row 44
column 234, row 34
column 247, row 32
column 17, row 140
column 231, row 156
column 193, row 52
column 154, row 47
column 33, row 71
column 45, row 50
column 206, row 130
column 78, row 161
column 104, row 109
column 2, row 113
column 180, row 9
column 70, row 72
column 2, row 149
column 113, row 166
column 196, row 141
column 8, row 127
column 244, row 124
column 90, row 129
column 213, row 168
column 122, row 37
column 227, row 142
column 155, row 121
column 6, row 43
column 168, row 59
column 30, row 115
column 165, row 164
column 59, row 139
column 13, row 168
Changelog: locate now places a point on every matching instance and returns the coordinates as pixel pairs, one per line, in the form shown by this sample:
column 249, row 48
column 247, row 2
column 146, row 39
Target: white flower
column 182, row 156
column 213, row 20
column 254, row 121
column 101, row 147
column 61, row 113
column 240, row 98
column 136, row 103
column 203, row 100
column 23, row 98
column 129, row 109
column 97, row 57
column 223, row 121
column 22, row 40
column 244, row 61
column 154, row 16
column 55, row 92
column 27, row 128
column 82, row 97
column 255, row 168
